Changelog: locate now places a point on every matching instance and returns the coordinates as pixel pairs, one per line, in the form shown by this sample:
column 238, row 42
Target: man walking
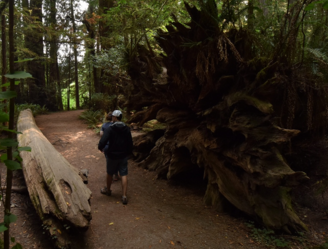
column 119, row 140
column 103, row 128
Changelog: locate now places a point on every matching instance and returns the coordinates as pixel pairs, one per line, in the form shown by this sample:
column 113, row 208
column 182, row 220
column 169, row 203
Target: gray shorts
column 114, row 165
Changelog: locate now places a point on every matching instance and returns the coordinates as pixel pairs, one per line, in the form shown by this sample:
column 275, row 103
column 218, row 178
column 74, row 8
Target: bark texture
column 227, row 110
column 34, row 42
column 56, row 190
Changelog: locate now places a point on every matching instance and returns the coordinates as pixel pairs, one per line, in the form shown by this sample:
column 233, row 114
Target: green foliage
column 12, row 165
column 312, row 5
column 7, row 94
column 17, row 246
column 318, row 62
column 111, row 61
column 3, row 227
column 35, row 108
column 92, row 118
column 11, row 218
column 153, row 125
column 323, row 246
column 19, row 75
column 321, row 186
column 266, row 236
column 102, row 102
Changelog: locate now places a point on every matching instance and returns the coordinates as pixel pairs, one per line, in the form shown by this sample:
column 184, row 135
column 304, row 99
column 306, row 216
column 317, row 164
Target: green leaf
column 8, row 142
column 3, row 157
column 24, row 148
column 12, row 165
column 15, row 154
column 27, row 59
column 8, row 84
column 4, row 117
column 310, row 6
column 325, row 5
column 19, row 159
column 3, row 227
column 12, row 239
column 17, row 246
column 6, row 129
column 18, row 75
column 11, row 218
column 8, row 94
column 5, row 85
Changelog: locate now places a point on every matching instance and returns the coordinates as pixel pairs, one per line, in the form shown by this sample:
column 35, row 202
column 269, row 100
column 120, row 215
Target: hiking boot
column 105, row 191
column 124, row 200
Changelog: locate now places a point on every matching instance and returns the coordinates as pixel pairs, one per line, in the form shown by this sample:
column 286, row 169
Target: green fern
column 317, row 54
column 92, row 118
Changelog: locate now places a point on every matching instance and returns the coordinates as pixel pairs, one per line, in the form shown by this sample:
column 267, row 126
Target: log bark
column 56, row 190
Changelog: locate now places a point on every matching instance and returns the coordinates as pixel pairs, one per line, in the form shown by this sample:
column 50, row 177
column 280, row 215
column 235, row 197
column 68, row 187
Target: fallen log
column 56, row 189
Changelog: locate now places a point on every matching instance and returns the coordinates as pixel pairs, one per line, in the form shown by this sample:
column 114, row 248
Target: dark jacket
column 103, row 128
column 119, row 140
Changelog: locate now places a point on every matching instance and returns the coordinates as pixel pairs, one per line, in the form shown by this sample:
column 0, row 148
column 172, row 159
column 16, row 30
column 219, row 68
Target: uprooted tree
column 235, row 112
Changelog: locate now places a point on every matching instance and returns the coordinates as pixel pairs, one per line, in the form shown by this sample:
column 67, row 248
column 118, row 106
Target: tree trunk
column 54, row 79
column 91, row 46
column 104, row 28
column 250, row 15
column 34, row 42
column 3, row 55
column 56, row 190
column 69, row 82
column 77, row 96
column 9, row 178
column 104, row 39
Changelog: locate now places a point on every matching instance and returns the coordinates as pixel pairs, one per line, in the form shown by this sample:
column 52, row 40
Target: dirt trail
column 159, row 214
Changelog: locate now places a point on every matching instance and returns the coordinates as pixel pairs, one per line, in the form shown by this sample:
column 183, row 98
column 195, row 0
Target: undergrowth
column 153, row 125
column 36, row 109
column 93, row 119
column 267, row 237
column 323, row 246
column 101, row 101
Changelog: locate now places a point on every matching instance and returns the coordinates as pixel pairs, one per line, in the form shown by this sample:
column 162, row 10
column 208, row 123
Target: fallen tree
column 231, row 109
column 57, row 192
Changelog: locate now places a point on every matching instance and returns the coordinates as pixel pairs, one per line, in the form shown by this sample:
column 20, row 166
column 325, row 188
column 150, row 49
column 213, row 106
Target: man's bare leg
column 124, row 185
column 109, row 182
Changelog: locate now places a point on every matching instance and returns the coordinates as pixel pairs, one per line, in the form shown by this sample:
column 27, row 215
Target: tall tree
column 89, row 21
column 54, row 77
column 76, row 75
column 11, row 124
column 3, row 52
column 34, row 42
column 104, row 35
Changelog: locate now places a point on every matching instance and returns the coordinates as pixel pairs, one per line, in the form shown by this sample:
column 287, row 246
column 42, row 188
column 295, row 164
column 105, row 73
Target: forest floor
column 159, row 214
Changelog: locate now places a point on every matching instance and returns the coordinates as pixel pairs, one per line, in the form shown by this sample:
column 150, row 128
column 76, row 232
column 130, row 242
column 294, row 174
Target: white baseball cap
column 116, row 113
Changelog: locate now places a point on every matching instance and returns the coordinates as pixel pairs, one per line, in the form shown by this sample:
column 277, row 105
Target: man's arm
column 102, row 129
column 103, row 140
